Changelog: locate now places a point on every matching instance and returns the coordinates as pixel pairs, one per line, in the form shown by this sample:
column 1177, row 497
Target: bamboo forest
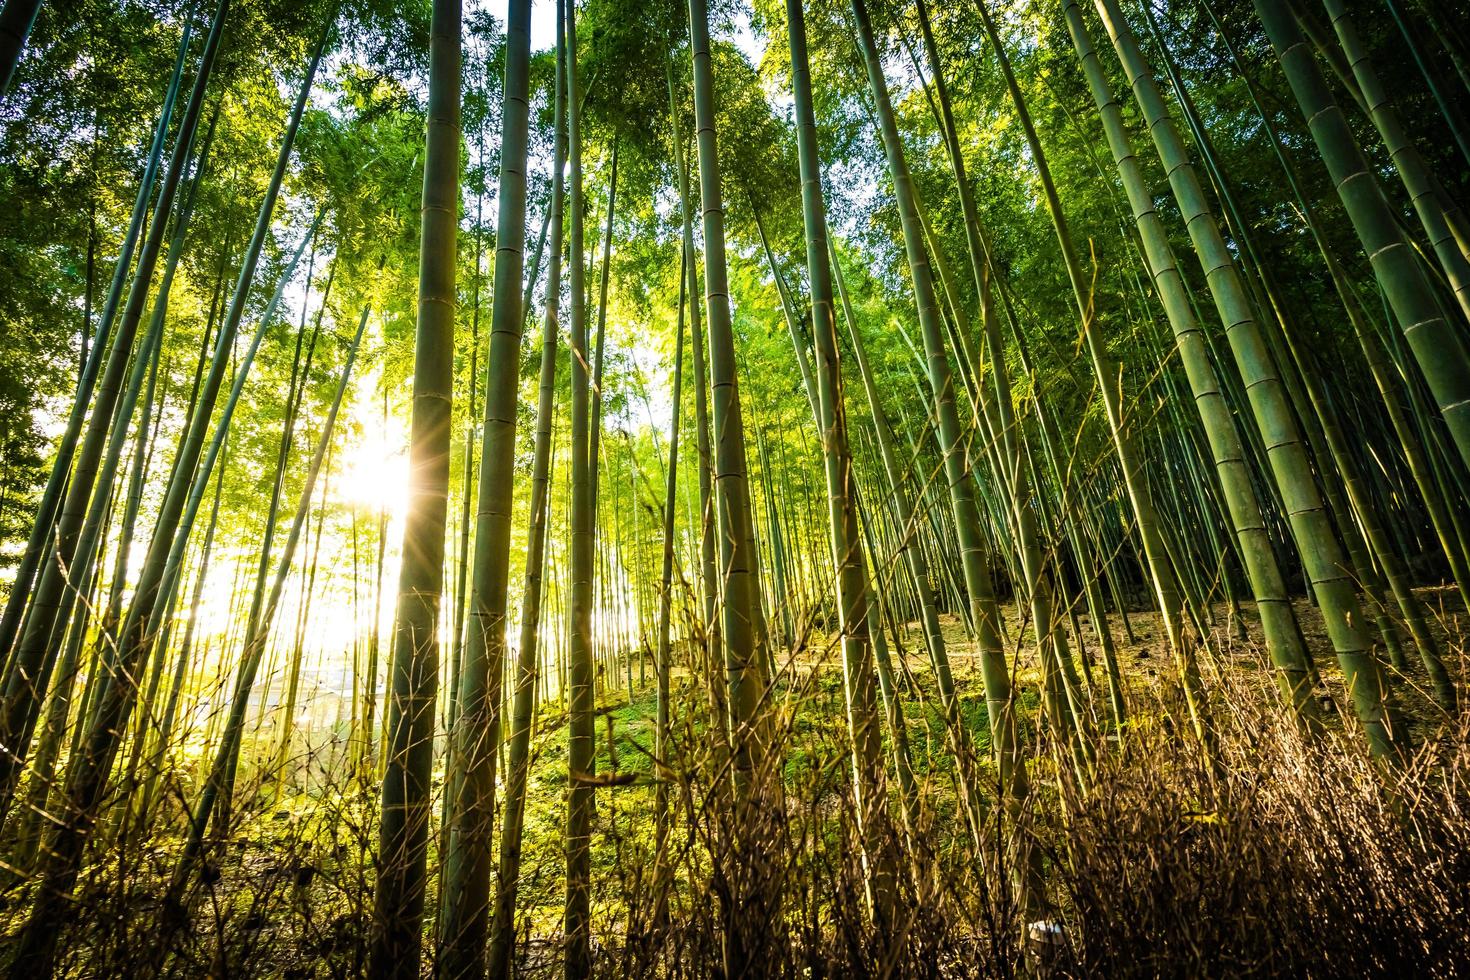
column 734, row 488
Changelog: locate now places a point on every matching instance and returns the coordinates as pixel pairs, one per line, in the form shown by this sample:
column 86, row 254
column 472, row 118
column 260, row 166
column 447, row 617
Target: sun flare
column 374, row 469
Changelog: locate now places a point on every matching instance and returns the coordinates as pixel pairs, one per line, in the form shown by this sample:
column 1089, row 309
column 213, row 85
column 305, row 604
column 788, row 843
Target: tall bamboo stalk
column 662, row 664
column 1438, row 347
column 855, row 618
column 82, row 511
column 403, row 833
column 477, row 738
column 56, row 481
column 87, row 778
column 984, row 611
column 1273, row 604
column 16, row 21
column 517, row 769
column 577, row 923
column 1162, row 575
column 220, row 782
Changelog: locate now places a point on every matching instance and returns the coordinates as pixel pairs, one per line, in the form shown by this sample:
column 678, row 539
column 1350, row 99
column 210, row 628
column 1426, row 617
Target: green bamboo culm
column 664, row 648
column 742, row 628
column 83, row 560
column 1415, row 452
column 599, row 358
column 1283, row 634
column 739, row 589
column 856, row 619
column 414, row 668
column 1414, row 172
column 709, row 576
column 477, row 733
column 920, row 570
column 40, row 646
column 1005, row 439
column 1438, row 347
column 112, row 697
column 984, row 611
column 518, row 757
column 1267, row 353
column 63, row 513
column 16, row 21
column 1159, row 566
column 56, row 480
column 219, row 783
column 1361, row 527
column 581, row 760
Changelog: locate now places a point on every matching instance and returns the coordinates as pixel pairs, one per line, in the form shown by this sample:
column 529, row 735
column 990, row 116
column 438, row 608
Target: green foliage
column 74, row 131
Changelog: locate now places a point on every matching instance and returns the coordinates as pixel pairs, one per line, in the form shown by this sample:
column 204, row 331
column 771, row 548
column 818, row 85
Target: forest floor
column 290, row 890
column 817, row 741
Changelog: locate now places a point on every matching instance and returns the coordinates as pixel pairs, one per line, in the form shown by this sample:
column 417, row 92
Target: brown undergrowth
column 1292, row 855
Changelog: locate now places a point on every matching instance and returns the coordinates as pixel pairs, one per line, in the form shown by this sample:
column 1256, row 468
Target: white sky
column 543, row 26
